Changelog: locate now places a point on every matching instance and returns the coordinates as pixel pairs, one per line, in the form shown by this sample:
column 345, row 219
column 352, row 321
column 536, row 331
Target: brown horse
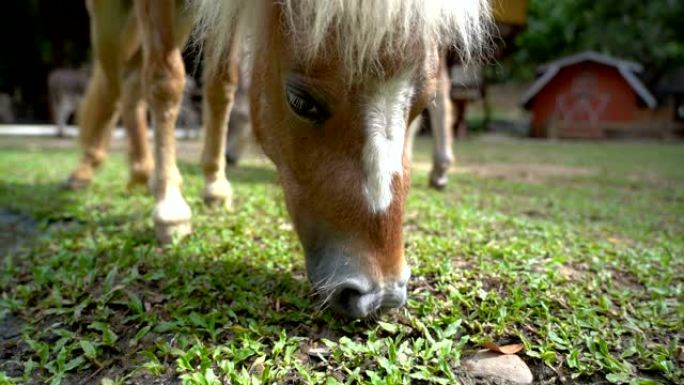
column 334, row 87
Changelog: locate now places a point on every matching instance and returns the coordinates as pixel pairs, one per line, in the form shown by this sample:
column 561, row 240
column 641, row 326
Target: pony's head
column 335, row 85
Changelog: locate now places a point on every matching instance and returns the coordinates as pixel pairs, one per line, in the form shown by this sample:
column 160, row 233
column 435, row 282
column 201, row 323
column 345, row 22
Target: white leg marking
column 385, row 131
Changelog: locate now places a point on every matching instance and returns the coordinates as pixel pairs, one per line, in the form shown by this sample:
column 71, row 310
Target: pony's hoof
column 140, row 174
column 172, row 219
column 138, row 181
column 438, row 182
column 218, row 195
column 167, row 233
column 75, row 183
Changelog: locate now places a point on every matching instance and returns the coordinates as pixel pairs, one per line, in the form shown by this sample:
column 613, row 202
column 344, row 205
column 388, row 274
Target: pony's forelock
column 365, row 29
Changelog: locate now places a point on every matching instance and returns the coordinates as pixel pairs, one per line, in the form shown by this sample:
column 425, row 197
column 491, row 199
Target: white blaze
column 385, row 132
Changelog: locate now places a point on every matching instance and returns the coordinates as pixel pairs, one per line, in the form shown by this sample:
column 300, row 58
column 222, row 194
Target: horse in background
column 6, row 109
column 189, row 115
column 459, row 84
column 239, row 123
column 67, row 87
column 334, row 87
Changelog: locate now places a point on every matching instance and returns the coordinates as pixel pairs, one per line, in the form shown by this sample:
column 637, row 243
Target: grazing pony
column 334, row 86
column 441, row 113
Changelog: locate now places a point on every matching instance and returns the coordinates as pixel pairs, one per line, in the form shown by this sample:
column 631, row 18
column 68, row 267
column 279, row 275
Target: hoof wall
column 74, row 183
column 167, row 233
column 218, row 195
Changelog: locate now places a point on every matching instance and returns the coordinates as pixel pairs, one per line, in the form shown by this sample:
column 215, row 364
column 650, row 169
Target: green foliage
column 575, row 250
column 648, row 32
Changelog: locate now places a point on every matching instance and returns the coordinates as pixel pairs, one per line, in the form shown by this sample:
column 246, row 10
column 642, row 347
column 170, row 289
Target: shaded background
column 37, row 36
column 40, row 35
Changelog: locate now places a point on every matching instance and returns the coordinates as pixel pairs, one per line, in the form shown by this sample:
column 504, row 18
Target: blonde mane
column 365, row 28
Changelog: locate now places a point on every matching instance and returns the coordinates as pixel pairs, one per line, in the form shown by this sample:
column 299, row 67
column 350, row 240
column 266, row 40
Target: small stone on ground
column 505, row 366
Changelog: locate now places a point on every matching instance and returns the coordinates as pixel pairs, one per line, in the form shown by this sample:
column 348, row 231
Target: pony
column 334, row 86
column 441, row 113
column 446, row 112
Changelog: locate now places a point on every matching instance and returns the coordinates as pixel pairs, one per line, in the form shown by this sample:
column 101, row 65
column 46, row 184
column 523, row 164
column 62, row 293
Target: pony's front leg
column 134, row 118
column 164, row 80
column 220, row 83
column 440, row 122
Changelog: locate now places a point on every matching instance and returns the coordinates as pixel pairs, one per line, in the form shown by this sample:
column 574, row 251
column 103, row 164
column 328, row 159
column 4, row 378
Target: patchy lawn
column 573, row 249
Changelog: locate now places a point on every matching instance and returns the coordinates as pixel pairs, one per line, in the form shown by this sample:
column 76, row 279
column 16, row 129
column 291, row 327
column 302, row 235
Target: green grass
column 584, row 268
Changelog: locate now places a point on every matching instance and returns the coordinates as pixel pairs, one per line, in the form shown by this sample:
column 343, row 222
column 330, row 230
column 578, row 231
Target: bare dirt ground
column 520, row 172
column 525, row 172
column 190, row 151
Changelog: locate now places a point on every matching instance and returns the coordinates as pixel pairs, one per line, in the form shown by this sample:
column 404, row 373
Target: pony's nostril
column 347, row 297
column 356, row 300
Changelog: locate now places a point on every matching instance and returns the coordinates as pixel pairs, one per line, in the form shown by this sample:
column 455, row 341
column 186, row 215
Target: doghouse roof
column 627, row 69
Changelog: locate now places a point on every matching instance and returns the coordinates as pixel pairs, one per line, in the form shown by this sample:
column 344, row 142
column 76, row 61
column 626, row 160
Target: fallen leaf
column 155, row 298
column 257, row 366
column 318, row 351
column 504, row 349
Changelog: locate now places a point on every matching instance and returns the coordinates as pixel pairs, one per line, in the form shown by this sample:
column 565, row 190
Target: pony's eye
column 305, row 105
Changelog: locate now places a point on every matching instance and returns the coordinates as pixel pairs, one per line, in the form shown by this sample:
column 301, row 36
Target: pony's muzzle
column 357, row 298
column 350, row 281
